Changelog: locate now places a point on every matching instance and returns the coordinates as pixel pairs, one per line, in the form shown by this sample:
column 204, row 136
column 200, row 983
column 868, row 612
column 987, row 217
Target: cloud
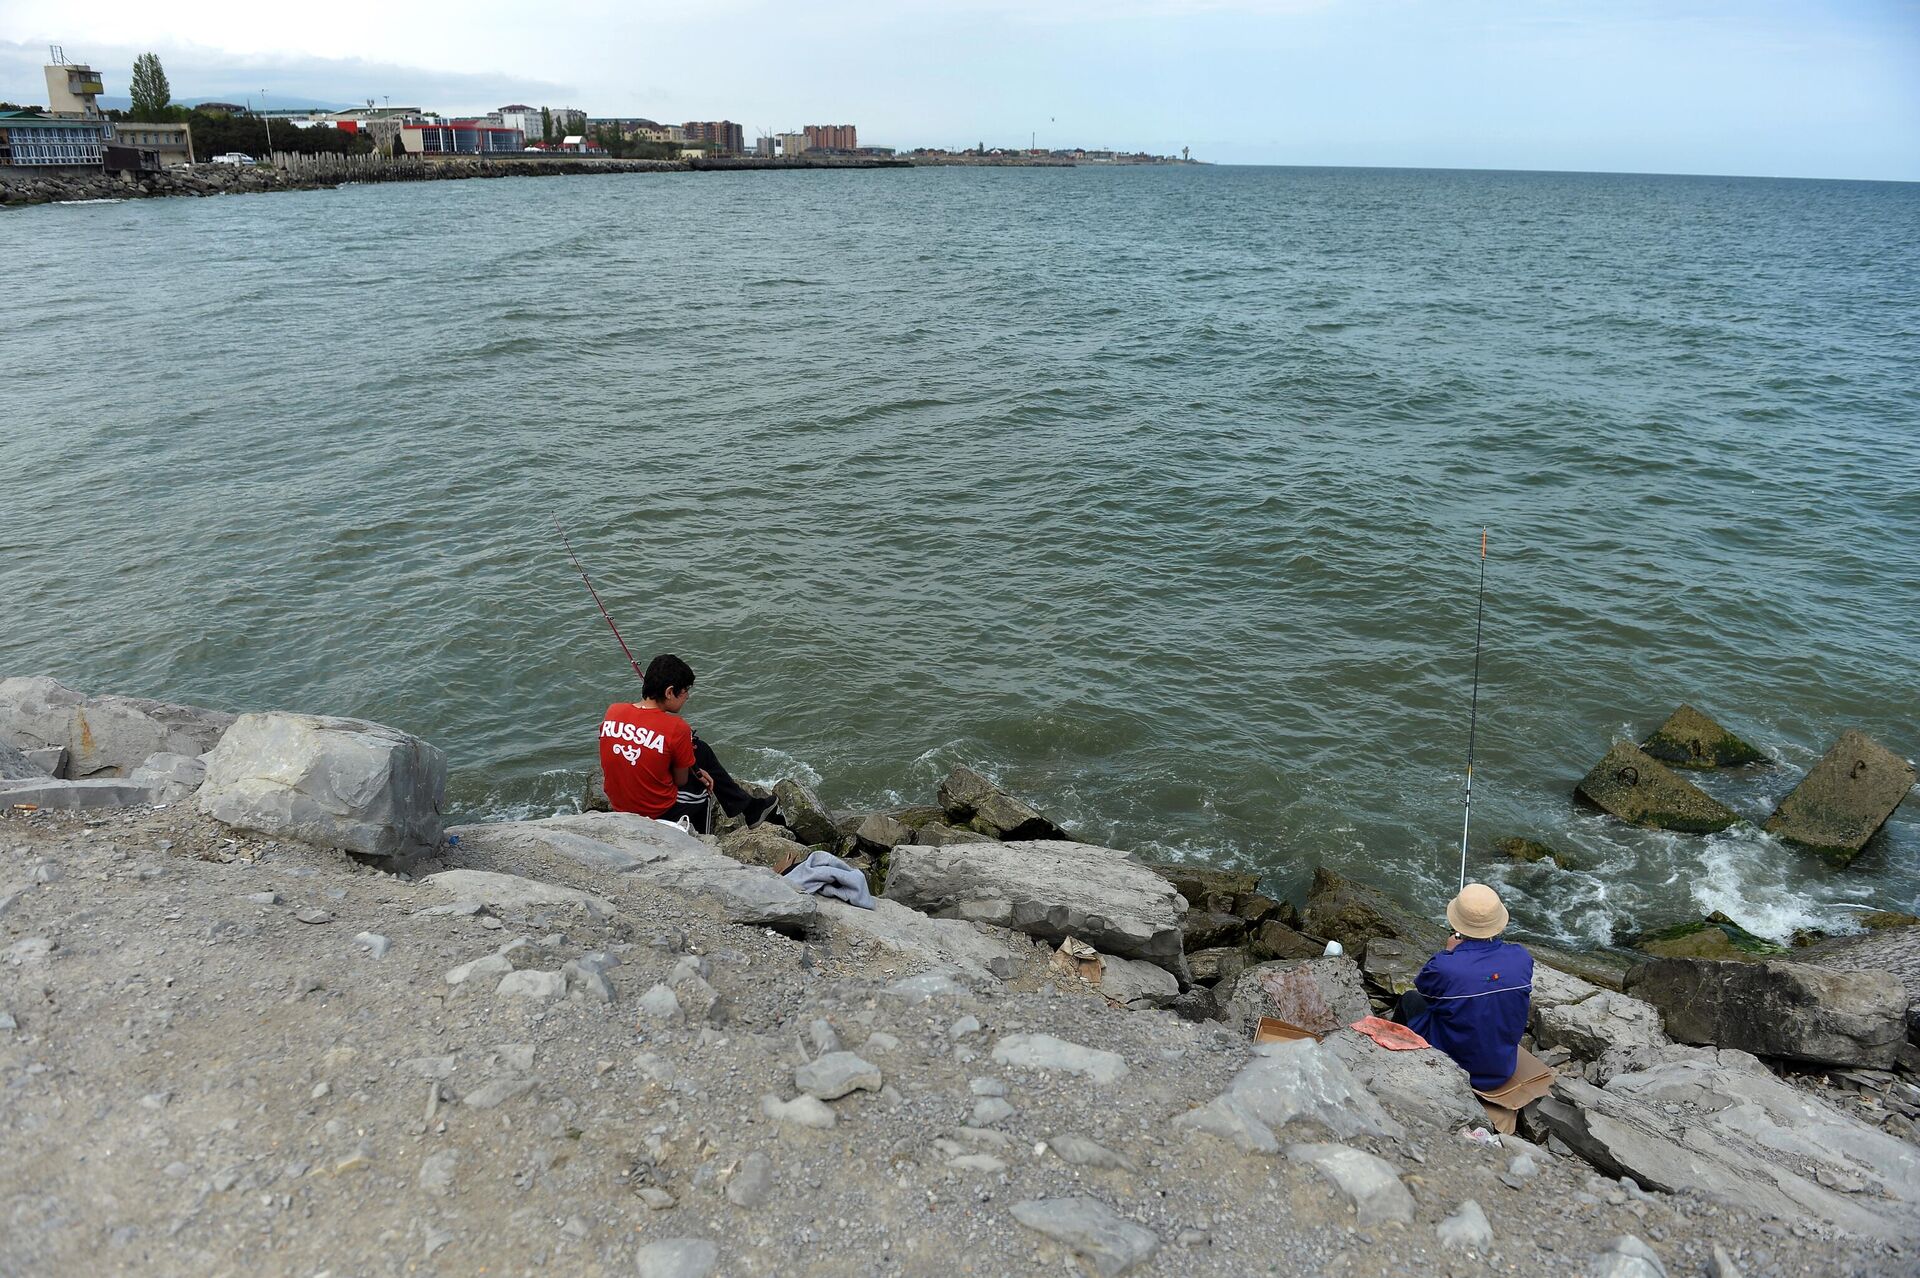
column 196, row 71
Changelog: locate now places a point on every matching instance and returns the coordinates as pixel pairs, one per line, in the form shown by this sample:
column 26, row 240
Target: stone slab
column 1690, row 739
column 1632, row 785
column 1774, row 1008
column 68, row 796
column 1048, row 889
column 1845, row 799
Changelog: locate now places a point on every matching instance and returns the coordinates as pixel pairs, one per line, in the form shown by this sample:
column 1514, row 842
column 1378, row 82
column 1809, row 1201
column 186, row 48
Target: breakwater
column 293, row 173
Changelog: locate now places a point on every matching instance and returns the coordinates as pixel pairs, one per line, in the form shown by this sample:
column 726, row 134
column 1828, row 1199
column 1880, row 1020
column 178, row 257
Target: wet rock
column 1051, row 890
column 878, row 832
column 804, row 814
column 1776, row 1008
column 1345, row 910
column 1714, row 937
column 1319, row 995
column 1637, row 788
column 593, row 796
column 1108, row 1242
column 1368, row 1182
column 1845, row 800
column 939, row 835
column 970, row 799
column 338, row 783
column 1528, row 852
column 1045, row 1052
column 1690, row 739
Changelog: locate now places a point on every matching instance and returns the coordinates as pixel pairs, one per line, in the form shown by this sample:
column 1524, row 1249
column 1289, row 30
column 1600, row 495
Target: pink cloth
column 1395, row 1038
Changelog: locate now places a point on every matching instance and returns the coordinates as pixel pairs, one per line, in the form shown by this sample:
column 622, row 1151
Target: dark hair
column 663, row 672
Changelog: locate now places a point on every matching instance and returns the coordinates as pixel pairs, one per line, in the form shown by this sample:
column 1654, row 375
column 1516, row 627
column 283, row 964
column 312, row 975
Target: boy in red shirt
column 655, row 766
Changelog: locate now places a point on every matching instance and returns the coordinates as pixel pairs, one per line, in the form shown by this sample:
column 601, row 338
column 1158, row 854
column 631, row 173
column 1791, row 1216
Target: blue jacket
column 1478, row 998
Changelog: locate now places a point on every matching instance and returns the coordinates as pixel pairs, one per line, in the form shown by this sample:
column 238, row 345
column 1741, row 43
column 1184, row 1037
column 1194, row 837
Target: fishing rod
column 1473, row 721
column 596, row 600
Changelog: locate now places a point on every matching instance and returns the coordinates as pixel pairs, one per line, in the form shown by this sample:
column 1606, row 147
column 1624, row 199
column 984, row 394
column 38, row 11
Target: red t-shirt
column 639, row 749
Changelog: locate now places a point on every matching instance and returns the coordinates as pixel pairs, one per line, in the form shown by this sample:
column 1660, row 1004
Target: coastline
column 1038, row 1043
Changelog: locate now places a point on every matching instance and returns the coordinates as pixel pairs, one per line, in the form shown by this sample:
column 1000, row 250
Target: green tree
column 149, row 89
column 546, row 125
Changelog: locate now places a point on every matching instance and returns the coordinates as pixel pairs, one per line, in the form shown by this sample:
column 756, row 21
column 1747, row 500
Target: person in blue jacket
column 1472, row 999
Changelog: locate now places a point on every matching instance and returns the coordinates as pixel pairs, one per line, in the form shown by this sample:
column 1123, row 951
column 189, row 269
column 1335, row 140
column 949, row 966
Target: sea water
column 1156, row 493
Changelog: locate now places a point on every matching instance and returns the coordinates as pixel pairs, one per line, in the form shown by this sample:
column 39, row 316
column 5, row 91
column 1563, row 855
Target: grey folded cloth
column 825, row 874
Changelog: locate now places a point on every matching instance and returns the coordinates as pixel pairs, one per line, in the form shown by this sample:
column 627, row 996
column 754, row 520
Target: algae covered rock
column 804, row 814
column 1714, row 937
column 1637, row 788
column 1689, row 739
column 1528, row 852
column 1350, row 912
column 1845, row 800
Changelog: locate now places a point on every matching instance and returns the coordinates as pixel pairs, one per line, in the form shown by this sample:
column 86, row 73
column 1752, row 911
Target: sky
column 1764, row 87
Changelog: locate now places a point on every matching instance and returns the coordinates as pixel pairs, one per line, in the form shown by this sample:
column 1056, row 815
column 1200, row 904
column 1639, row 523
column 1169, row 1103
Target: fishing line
column 1473, row 721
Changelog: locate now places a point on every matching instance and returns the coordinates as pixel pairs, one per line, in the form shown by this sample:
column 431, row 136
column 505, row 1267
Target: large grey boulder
column 340, row 783
column 1776, row 1008
column 1421, row 1088
column 1587, row 1020
column 1637, row 788
column 104, row 736
column 1048, row 889
column 15, row 766
column 1720, row 1124
column 1845, row 799
column 1320, row 995
column 1289, row 1081
column 625, row 844
column 1690, row 739
column 1895, row 950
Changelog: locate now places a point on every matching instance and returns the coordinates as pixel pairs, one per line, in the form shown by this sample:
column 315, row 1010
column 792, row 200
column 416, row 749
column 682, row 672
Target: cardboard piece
column 1272, row 1029
column 1532, row 1079
column 1077, row 958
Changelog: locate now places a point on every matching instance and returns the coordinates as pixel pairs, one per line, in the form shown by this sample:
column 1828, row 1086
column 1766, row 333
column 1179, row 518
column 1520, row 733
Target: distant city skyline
column 1770, row 88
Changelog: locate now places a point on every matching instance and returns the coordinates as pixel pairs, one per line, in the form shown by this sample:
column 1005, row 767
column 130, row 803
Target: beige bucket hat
column 1477, row 912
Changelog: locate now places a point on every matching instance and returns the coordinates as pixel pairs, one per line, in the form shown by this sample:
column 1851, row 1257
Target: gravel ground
column 198, row 1080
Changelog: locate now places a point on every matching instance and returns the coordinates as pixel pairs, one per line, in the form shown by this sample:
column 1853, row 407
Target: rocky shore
column 261, row 1012
column 24, row 188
